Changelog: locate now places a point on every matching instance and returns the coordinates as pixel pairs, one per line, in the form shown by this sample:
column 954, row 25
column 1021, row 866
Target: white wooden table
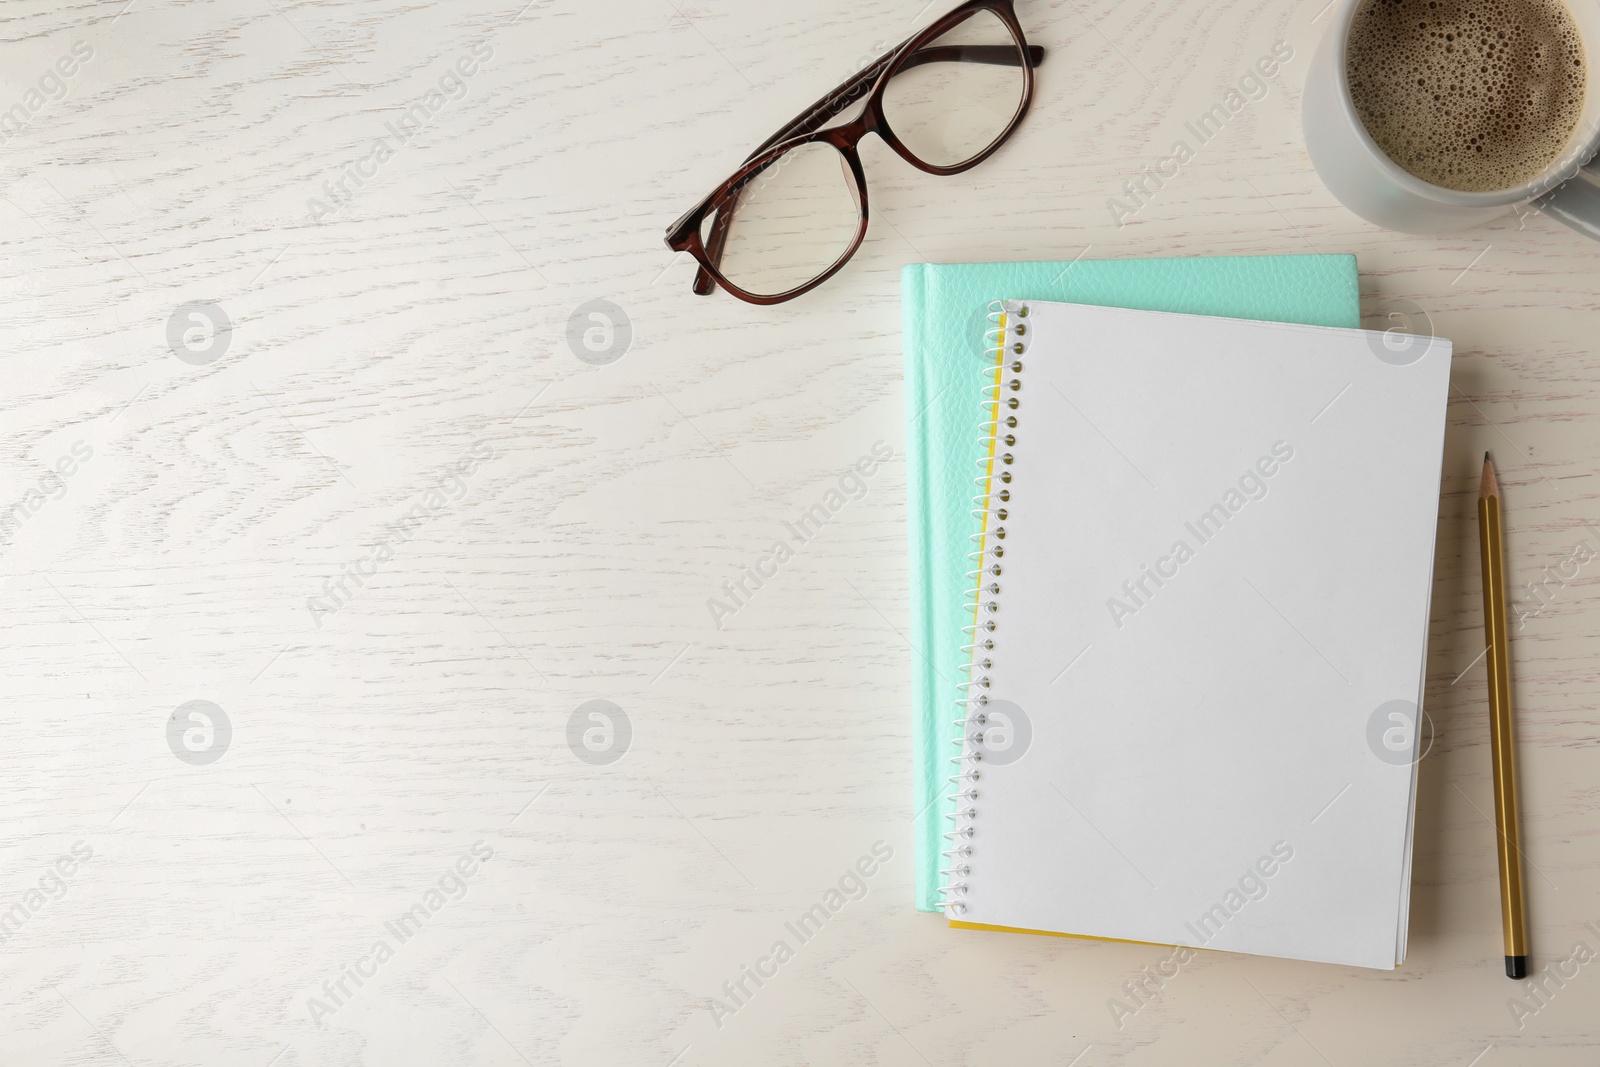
column 391, row 525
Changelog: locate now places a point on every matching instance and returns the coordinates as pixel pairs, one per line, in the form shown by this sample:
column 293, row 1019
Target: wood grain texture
column 372, row 352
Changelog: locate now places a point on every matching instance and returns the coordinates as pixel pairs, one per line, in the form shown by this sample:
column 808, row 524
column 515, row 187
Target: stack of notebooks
column 1172, row 534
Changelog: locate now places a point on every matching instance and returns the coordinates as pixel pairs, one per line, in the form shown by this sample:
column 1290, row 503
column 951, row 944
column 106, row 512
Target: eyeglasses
column 796, row 211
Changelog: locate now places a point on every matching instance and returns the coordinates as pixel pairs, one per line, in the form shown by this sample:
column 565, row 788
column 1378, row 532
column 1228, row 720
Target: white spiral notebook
column 1199, row 632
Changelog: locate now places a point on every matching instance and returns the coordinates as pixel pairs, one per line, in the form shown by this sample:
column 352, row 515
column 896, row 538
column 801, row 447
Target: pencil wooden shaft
column 1502, row 752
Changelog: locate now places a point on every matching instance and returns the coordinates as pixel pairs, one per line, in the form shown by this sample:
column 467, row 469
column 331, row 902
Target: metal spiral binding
column 1006, row 342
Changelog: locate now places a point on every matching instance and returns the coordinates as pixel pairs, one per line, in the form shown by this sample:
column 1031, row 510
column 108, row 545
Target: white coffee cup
column 1372, row 185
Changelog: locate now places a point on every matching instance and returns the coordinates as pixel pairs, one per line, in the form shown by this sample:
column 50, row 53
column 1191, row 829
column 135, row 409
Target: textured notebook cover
column 944, row 308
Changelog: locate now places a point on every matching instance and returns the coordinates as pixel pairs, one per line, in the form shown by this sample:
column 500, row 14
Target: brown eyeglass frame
column 684, row 235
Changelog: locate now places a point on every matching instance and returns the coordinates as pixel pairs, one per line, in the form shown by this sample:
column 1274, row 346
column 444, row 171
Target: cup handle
column 1576, row 201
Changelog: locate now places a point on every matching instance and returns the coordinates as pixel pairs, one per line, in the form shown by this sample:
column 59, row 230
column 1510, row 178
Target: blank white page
column 1214, row 594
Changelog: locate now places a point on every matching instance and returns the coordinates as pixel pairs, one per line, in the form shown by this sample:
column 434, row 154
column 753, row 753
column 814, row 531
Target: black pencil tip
column 1486, row 457
column 1516, row 966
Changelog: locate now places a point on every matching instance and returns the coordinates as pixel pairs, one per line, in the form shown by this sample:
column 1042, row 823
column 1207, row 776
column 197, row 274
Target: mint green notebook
column 945, row 308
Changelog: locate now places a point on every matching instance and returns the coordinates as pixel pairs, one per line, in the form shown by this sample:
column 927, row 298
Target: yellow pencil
column 1501, row 743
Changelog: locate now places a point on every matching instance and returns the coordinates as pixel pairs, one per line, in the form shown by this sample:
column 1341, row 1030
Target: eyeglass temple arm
column 831, row 106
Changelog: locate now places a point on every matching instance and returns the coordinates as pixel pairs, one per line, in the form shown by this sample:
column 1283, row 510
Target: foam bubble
column 1468, row 94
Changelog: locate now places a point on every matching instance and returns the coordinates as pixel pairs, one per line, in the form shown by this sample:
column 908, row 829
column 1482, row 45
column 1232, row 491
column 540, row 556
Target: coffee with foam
column 1474, row 95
